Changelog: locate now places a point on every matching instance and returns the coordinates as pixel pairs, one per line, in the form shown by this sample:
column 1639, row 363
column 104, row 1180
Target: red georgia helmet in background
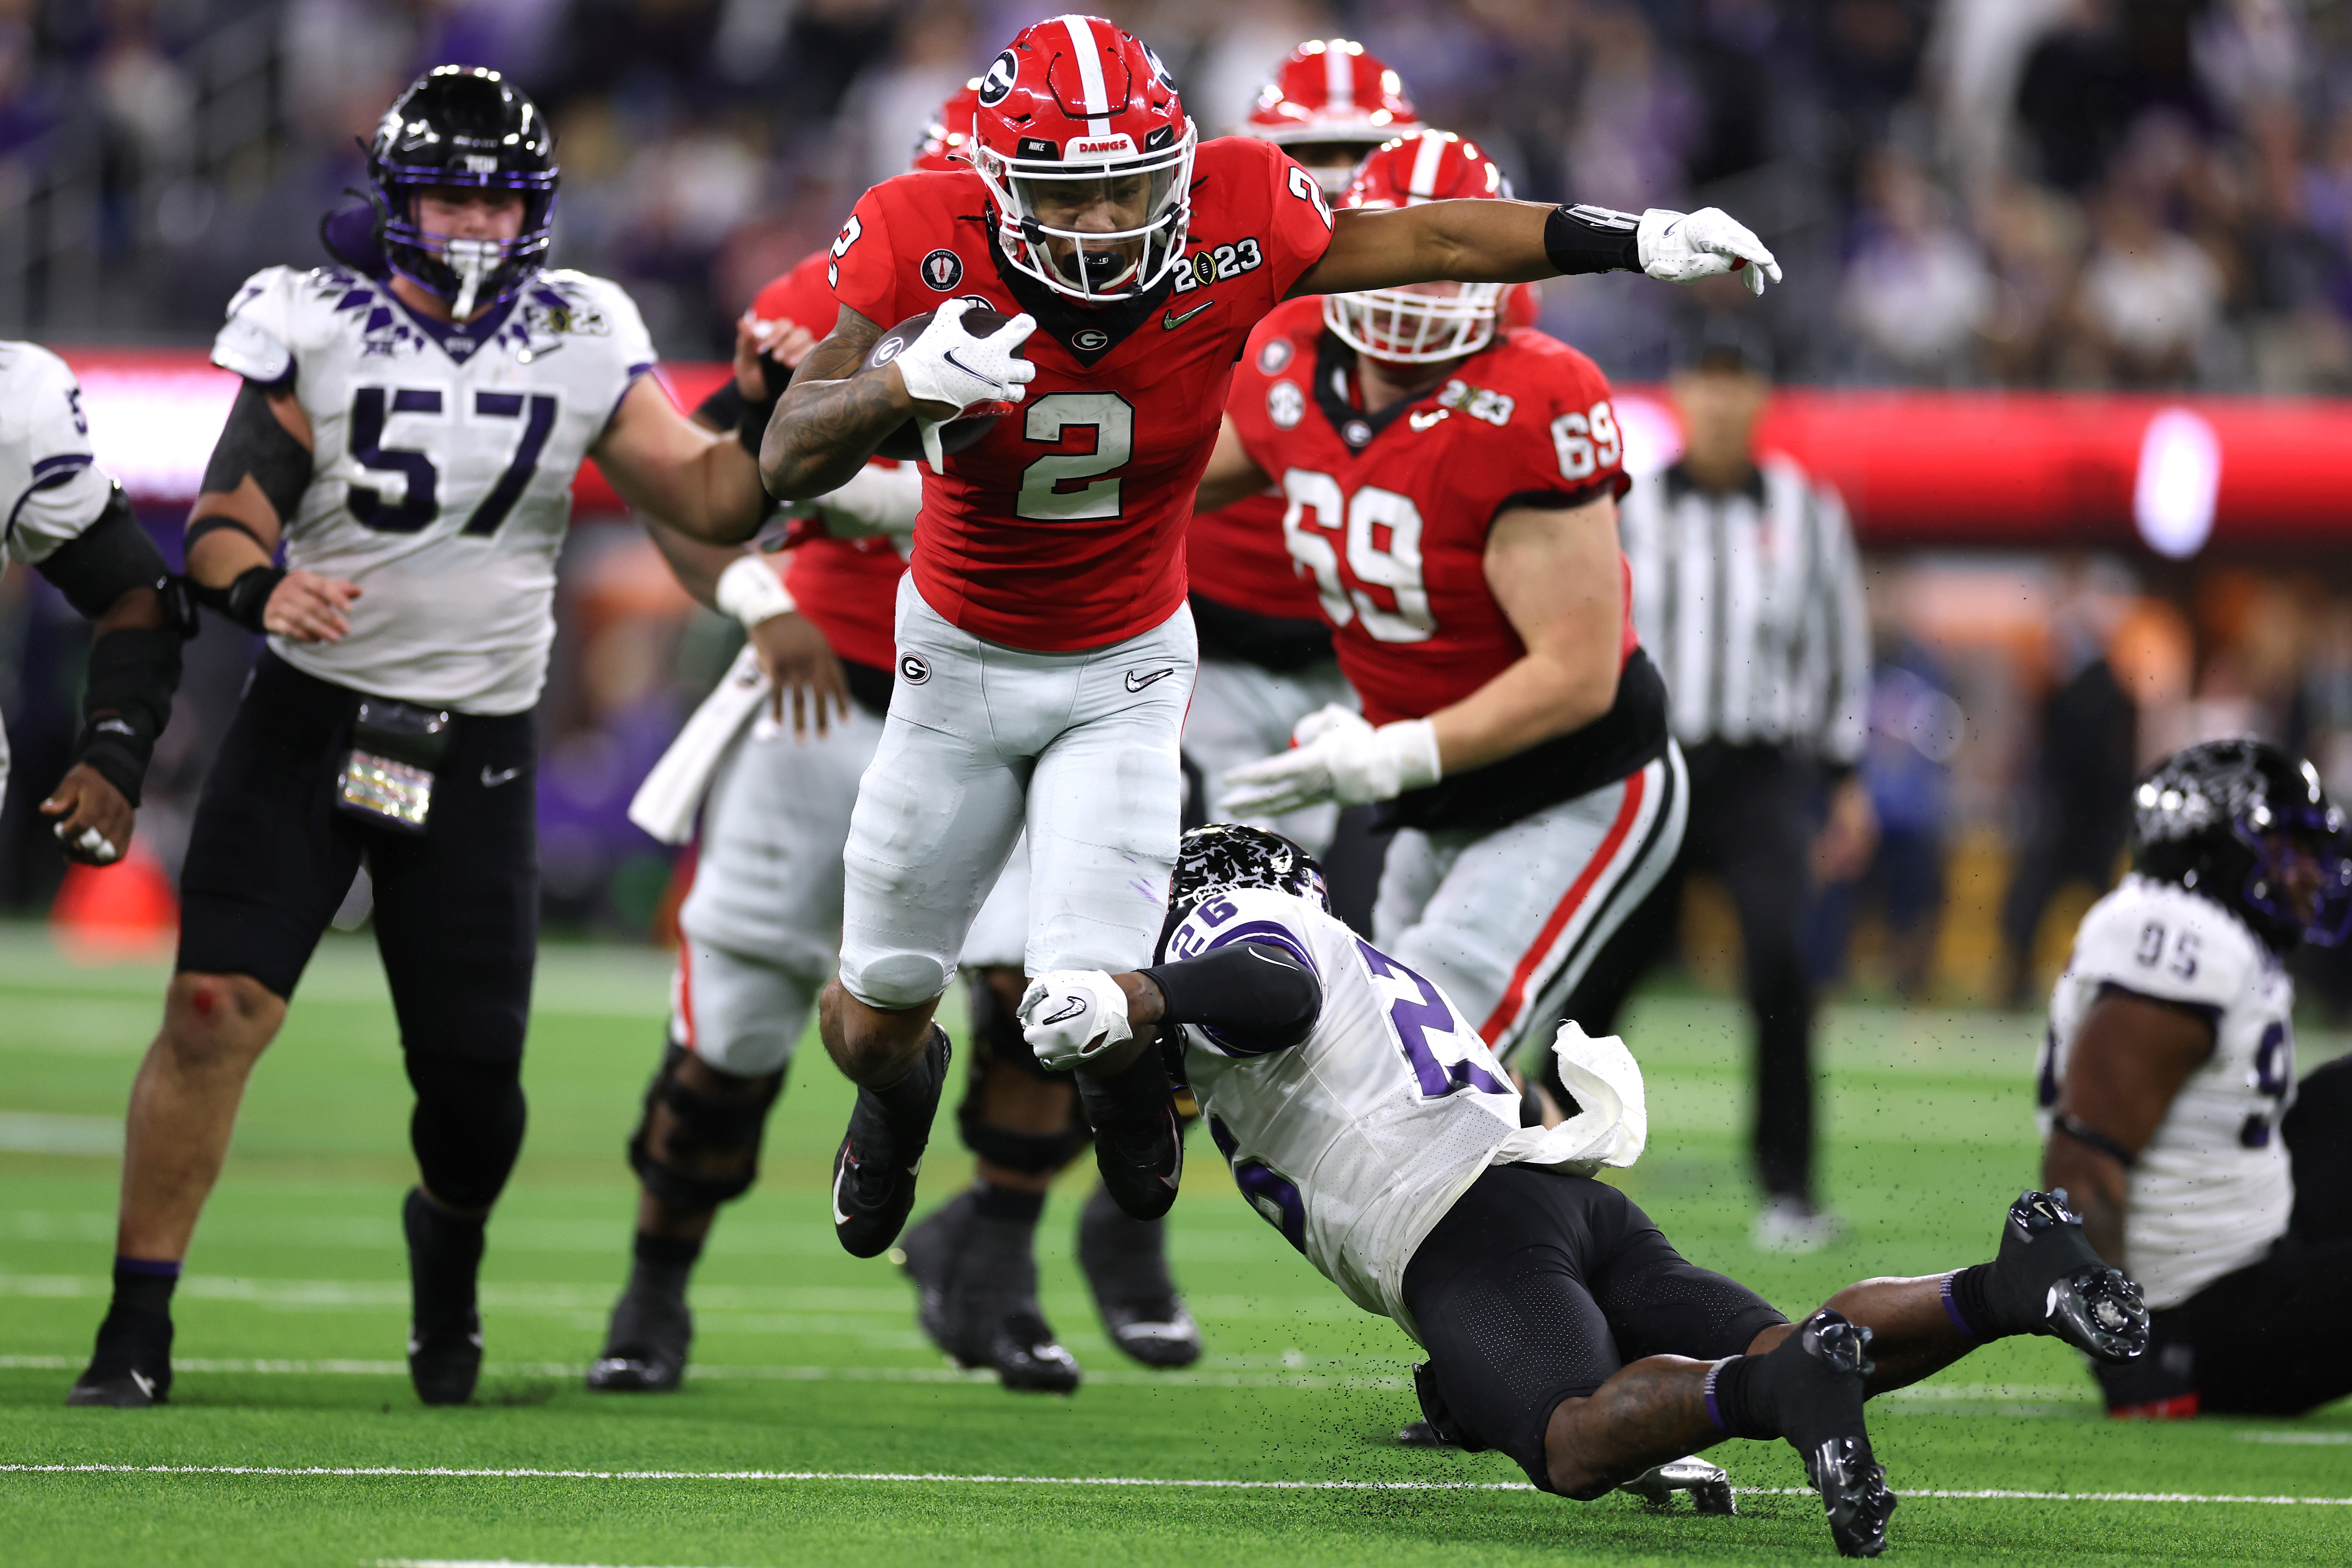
column 948, row 135
column 1073, row 105
column 1328, row 104
column 1406, row 325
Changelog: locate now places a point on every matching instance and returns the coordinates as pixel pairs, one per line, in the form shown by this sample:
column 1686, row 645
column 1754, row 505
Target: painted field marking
column 2317, row 1439
column 474, row 1563
column 1967, row 1494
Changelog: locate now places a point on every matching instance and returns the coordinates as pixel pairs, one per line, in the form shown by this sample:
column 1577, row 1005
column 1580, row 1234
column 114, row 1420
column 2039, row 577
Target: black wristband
column 243, row 600
column 1582, row 239
column 754, row 427
column 2092, row 1138
column 126, row 701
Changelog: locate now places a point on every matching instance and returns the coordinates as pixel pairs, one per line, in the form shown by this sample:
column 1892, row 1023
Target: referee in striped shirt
column 1747, row 593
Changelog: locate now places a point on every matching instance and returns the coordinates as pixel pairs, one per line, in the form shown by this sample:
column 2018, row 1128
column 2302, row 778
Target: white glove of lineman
column 1684, row 247
column 1336, row 756
column 1073, row 1015
column 948, row 364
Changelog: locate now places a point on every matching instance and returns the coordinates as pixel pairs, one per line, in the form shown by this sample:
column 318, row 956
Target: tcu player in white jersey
column 70, row 522
column 1365, row 1119
column 2168, row 1098
column 409, row 426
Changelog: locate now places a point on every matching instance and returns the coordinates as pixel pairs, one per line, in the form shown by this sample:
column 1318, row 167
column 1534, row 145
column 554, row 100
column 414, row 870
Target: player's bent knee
column 1571, row 1471
column 214, row 1020
column 897, row 982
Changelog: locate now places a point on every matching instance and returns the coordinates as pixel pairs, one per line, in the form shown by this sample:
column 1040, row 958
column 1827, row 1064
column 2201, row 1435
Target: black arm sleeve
column 105, row 561
column 1592, row 239
column 1254, row 989
column 254, row 443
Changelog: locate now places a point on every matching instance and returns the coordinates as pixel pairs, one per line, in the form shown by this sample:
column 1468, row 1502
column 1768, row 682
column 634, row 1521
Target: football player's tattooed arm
column 1557, row 578
column 675, row 471
column 1231, row 474
column 2130, row 1057
column 1485, row 241
column 257, row 472
column 831, row 417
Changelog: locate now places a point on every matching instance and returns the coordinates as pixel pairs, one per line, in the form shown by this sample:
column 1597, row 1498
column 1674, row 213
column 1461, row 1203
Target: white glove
column 1336, row 756
column 877, row 500
column 1684, row 247
column 948, row 364
column 1073, row 1015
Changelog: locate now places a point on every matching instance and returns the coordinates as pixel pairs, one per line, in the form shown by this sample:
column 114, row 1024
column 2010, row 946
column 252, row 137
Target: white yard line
column 1969, row 1494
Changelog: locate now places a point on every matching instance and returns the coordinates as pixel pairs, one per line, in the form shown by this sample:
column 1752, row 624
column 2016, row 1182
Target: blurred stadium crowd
column 2074, row 193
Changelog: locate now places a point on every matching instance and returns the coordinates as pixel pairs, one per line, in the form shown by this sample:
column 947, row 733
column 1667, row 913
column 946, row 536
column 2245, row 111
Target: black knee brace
column 702, row 1127
column 996, row 1038
column 467, row 1126
column 996, row 1034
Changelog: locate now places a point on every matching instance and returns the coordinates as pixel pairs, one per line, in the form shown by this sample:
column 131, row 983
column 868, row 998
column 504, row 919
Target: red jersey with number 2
column 848, row 588
column 1390, row 512
column 1063, row 528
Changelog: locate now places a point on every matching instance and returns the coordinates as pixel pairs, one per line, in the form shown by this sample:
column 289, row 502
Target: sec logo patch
column 1275, row 355
column 1285, row 404
column 913, row 669
column 943, row 269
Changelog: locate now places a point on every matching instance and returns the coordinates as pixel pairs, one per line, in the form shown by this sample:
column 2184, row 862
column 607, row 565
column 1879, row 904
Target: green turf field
column 820, row 1429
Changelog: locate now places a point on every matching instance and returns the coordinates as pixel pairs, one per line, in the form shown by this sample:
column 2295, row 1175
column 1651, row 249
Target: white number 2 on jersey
column 1050, row 419
column 1362, row 523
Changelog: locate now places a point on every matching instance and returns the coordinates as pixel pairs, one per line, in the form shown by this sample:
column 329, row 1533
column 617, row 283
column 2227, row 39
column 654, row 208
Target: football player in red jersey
column 1329, row 105
column 1045, row 649
column 1451, row 488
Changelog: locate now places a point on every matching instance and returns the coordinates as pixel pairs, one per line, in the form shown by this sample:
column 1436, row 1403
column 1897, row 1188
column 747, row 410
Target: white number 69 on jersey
column 1587, row 443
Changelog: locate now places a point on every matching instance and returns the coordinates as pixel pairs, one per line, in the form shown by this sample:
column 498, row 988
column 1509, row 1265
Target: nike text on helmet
column 469, row 128
column 1330, row 94
column 1076, row 121
column 1401, row 325
column 1227, row 856
column 2226, row 818
column 947, row 138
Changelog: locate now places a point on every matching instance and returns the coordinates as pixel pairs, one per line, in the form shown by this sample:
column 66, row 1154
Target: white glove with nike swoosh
column 1336, row 756
column 1073, row 1015
column 948, row 364
column 1687, row 247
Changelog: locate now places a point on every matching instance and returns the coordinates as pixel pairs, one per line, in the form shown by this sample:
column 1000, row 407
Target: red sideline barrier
column 1915, row 466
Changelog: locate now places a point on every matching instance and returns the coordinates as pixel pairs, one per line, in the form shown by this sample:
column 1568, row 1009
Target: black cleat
column 2047, row 1279
column 645, row 1348
column 1435, row 1429
column 1811, row 1383
column 1422, row 1434
column 1139, row 1138
column 874, row 1172
column 1709, row 1485
column 1125, row 1264
column 445, row 1332
column 131, row 1368
column 976, row 1285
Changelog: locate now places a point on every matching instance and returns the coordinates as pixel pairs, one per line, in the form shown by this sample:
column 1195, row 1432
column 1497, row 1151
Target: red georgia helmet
column 1074, row 104
column 1330, row 94
column 948, row 135
column 1401, row 325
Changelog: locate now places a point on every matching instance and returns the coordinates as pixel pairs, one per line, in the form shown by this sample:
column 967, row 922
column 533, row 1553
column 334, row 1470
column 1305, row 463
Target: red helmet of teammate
column 946, row 137
column 1328, row 104
column 1421, row 323
column 1078, row 124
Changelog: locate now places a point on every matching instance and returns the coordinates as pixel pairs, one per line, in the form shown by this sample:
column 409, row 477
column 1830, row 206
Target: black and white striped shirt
column 1751, row 605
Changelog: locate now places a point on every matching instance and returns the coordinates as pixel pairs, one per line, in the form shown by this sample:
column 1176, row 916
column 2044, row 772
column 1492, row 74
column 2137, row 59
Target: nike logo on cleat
column 146, row 1383
column 1136, row 681
column 492, row 780
column 1171, row 321
column 1078, row 1006
column 840, row 1175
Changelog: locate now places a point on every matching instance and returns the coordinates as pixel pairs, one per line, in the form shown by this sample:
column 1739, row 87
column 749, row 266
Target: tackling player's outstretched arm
column 1231, row 474
column 1494, row 240
column 667, row 467
column 254, row 481
column 2130, row 1057
column 1096, row 1022
column 1558, row 576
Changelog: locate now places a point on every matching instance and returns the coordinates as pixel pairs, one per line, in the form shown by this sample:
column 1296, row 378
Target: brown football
column 905, row 443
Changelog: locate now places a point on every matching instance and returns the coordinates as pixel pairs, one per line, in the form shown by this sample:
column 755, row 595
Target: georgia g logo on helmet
column 998, row 80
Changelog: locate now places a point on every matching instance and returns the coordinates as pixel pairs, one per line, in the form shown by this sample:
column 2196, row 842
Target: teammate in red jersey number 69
column 1044, row 652
column 1451, row 488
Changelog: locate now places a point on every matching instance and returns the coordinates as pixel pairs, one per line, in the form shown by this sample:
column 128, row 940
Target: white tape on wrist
column 750, row 591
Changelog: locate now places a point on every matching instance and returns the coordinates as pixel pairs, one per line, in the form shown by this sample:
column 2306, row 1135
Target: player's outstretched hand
column 1336, row 756
column 1069, row 1016
column 950, row 369
column 310, row 608
column 764, row 348
column 1687, row 247
column 797, row 660
column 94, row 820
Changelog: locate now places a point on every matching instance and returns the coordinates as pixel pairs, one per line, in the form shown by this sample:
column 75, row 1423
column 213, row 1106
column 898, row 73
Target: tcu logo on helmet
column 999, row 80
